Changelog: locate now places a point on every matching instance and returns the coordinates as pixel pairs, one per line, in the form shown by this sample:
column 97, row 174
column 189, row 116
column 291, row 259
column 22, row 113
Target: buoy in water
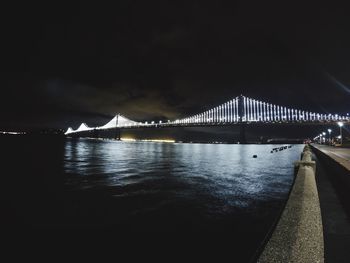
column 255, row 156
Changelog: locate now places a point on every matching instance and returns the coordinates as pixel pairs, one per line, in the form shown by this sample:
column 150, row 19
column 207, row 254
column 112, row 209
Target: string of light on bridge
column 241, row 109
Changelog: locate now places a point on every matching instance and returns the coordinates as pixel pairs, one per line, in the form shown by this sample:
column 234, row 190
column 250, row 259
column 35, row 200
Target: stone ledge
column 298, row 236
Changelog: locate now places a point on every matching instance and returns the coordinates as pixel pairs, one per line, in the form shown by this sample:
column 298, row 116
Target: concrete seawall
column 298, row 236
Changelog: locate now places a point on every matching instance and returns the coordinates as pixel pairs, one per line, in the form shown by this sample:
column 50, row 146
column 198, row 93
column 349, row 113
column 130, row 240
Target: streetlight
column 329, row 131
column 340, row 124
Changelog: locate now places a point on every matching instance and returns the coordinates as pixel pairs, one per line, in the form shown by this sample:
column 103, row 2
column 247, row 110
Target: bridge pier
column 95, row 133
column 242, row 137
column 117, row 134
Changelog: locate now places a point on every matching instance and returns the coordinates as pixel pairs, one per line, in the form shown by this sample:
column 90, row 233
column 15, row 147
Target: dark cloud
column 66, row 64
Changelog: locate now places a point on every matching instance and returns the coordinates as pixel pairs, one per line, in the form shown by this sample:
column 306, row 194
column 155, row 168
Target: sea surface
column 151, row 187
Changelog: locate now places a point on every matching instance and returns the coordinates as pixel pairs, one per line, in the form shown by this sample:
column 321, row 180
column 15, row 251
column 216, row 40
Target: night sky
column 151, row 60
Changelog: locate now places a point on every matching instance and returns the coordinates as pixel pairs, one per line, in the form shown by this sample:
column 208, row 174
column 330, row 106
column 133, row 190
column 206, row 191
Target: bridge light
column 340, row 124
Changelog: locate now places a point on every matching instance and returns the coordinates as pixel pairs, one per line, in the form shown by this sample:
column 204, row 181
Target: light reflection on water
column 217, row 178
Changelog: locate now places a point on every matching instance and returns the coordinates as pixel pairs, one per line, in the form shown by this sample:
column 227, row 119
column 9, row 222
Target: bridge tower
column 241, row 120
column 240, row 108
column 117, row 130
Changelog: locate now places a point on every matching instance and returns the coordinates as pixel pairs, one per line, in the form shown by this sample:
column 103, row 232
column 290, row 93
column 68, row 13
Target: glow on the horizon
column 128, row 139
column 147, row 140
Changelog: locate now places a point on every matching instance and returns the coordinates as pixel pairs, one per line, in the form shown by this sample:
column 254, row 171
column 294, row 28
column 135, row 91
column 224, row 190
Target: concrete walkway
column 340, row 155
column 332, row 164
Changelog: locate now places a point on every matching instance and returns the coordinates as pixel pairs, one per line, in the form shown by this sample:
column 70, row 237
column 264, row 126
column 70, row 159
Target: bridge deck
column 236, row 111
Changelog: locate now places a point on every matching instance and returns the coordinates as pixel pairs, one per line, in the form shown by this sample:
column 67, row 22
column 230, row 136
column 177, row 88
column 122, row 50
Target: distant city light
column 12, row 132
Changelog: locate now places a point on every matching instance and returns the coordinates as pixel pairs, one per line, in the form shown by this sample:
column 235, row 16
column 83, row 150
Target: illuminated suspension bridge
column 240, row 110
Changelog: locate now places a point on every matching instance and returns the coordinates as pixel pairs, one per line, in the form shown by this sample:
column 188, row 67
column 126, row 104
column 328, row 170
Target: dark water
column 207, row 181
column 129, row 187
